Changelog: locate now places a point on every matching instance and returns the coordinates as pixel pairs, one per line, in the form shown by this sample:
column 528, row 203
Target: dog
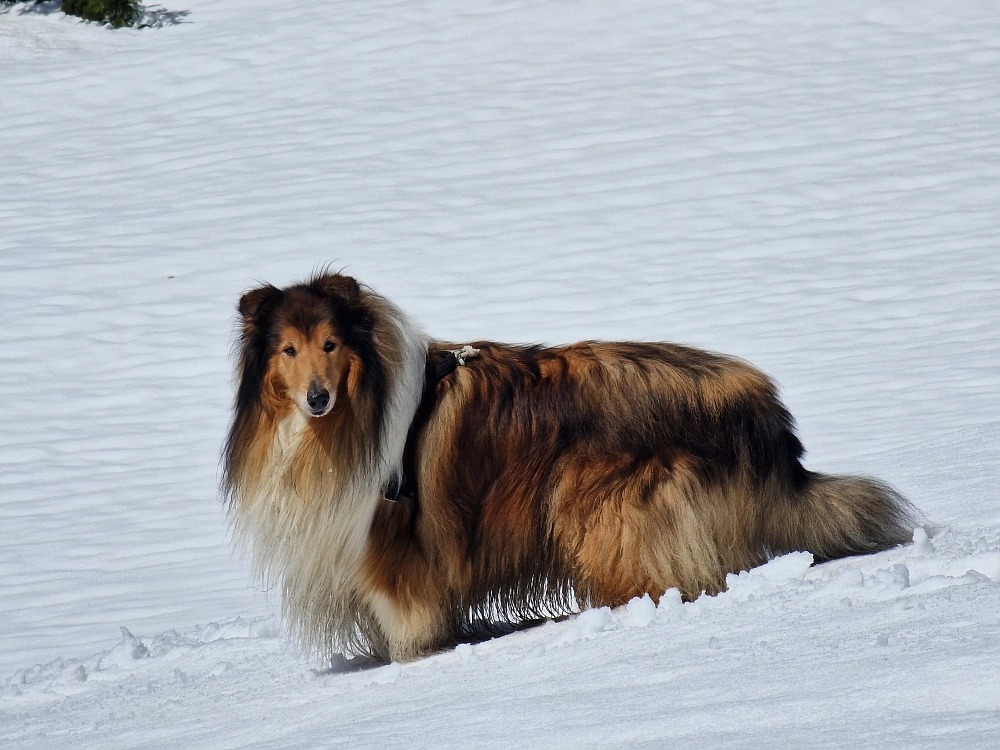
column 399, row 489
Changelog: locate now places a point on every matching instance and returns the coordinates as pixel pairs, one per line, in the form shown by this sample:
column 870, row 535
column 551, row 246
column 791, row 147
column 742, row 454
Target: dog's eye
column 329, row 346
column 290, row 351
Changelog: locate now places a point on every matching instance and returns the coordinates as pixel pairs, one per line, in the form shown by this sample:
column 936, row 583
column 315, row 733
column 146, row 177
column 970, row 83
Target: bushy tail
column 837, row 516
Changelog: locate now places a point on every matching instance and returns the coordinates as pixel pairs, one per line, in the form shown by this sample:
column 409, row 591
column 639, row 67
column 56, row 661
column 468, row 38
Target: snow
column 812, row 187
column 791, row 654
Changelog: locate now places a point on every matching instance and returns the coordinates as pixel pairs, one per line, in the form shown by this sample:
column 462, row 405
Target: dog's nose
column 318, row 399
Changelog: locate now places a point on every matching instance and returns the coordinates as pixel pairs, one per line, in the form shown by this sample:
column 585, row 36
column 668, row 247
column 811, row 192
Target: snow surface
column 814, row 187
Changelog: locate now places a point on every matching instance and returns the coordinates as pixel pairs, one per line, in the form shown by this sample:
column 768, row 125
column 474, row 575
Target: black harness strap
column 405, row 486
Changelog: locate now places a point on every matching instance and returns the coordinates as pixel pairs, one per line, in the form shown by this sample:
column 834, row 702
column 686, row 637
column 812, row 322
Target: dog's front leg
column 411, row 629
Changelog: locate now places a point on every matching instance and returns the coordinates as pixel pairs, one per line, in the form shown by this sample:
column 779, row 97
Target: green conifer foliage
column 118, row 13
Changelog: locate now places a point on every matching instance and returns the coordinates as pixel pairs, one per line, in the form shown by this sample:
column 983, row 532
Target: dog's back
column 602, row 471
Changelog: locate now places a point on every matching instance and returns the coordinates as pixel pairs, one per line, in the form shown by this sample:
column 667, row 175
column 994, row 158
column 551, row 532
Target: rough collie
column 397, row 492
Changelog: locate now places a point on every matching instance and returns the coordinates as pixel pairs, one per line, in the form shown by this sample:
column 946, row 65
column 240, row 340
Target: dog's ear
column 348, row 305
column 257, row 304
column 340, row 288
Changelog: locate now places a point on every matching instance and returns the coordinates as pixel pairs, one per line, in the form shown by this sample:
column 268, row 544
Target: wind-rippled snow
column 814, row 188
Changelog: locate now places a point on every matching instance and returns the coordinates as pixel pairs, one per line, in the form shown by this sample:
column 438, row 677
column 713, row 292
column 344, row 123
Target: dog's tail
column 837, row 516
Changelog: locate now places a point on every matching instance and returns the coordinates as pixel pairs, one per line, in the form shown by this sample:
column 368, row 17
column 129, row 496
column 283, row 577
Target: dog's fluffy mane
column 305, row 492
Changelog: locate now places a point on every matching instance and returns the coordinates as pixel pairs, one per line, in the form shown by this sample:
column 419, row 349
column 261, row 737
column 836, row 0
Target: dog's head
column 301, row 344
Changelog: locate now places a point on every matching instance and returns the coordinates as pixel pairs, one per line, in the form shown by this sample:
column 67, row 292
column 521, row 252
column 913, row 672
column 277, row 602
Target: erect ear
column 257, row 304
